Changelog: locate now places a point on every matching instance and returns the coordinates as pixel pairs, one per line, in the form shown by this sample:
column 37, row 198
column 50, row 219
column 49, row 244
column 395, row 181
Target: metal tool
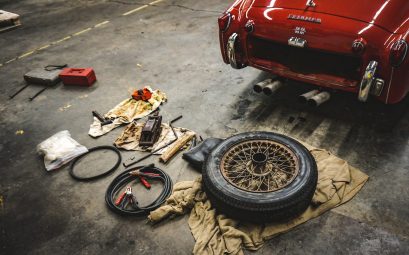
column 131, row 161
column 104, row 121
column 126, row 198
column 151, row 130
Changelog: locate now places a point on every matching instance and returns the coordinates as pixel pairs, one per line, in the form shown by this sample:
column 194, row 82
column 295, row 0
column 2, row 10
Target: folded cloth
column 129, row 139
column 127, row 111
column 338, row 182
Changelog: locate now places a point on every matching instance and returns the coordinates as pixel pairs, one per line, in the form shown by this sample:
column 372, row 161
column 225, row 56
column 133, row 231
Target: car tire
column 256, row 201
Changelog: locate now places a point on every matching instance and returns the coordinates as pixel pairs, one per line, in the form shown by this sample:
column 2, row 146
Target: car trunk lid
column 388, row 14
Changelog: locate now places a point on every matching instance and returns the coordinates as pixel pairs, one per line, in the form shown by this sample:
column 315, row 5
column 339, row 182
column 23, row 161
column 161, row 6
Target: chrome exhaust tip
column 258, row 88
column 272, row 87
column 319, row 99
column 306, row 96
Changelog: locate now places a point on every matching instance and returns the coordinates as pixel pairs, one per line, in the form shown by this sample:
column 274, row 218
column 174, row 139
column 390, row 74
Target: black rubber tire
column 279, row 205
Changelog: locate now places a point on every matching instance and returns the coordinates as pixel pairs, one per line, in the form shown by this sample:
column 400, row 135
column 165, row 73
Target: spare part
column 260, row 177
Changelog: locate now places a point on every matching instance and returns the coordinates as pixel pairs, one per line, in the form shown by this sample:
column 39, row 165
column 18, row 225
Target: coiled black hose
column 126, row 177
column 91, row 178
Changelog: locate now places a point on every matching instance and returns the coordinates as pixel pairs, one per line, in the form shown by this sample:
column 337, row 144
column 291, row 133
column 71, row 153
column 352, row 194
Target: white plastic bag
column 59, row 149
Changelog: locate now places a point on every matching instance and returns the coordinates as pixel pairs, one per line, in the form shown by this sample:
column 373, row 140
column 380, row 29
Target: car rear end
column 323, row 49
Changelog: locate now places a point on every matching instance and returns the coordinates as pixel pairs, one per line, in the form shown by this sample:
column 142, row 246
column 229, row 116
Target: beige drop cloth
column 338, row 182
column 127, row 111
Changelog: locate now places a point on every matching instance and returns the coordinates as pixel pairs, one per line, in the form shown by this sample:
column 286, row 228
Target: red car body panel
column 328, row 60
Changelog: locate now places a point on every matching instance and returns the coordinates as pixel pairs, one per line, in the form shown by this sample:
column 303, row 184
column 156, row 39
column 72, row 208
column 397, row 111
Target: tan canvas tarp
column 338, row 182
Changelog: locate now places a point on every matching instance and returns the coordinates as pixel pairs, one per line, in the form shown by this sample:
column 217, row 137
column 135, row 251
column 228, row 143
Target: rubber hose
column 98, row 148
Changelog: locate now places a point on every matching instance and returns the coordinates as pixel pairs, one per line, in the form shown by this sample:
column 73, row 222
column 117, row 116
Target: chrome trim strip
column 228, row 23
column 231, row 53
column 389, row 87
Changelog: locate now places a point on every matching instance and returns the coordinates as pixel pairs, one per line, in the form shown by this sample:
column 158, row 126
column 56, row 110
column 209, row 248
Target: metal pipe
column 319, row 99
column 258, row 88
column 272, row 87
column 304, row 97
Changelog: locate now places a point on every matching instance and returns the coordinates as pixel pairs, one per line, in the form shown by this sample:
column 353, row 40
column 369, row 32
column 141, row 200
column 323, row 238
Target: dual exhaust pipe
column 268, row 87
column 312, row 98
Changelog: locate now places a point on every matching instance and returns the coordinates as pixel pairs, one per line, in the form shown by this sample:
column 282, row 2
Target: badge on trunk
column 297, row 42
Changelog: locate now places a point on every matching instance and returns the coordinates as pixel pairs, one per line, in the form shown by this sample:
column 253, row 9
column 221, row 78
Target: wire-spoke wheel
column 260, row 177
column 259, row 166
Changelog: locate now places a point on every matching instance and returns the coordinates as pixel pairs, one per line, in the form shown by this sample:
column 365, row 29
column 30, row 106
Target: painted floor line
column 77, row 33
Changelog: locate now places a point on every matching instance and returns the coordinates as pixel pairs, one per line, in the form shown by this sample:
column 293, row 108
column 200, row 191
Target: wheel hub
column 259, row 166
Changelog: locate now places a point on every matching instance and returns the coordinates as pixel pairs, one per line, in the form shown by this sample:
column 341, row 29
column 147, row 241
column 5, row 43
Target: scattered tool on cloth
column 179, row 144
column 129, row 139
column 151, row 130
column 104, row 121
column 338, row 182
column 78, row 76
column 47, row 77
column 127, row 111
column 120, row 204
column 59, row 149
column 166, row 140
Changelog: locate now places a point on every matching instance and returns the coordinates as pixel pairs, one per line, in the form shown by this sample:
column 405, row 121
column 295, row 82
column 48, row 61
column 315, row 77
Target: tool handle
column 98, row 116
column 37, row 94
column 145, row 182
column 176, row 119
column 119, row 199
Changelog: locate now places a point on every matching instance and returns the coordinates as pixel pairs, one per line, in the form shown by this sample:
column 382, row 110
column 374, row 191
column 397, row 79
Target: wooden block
column 176, row 146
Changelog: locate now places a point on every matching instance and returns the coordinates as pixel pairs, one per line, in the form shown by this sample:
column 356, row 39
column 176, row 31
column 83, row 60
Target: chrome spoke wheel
column 259, row 166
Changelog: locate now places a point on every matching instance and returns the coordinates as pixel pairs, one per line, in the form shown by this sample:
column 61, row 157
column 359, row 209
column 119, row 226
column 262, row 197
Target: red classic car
column 358, row 46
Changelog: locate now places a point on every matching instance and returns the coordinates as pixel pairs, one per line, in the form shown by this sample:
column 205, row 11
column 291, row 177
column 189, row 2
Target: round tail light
column 249, row 27
column 224, row 21
column 358, row 46
column 398, row 53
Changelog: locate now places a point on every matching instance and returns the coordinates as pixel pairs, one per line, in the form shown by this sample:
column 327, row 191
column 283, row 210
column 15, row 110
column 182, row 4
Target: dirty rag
column 127, row 111
column 129, row 139
column 338, row 182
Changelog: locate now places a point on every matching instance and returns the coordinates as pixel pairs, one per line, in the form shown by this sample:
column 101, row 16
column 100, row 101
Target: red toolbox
column 78, row 76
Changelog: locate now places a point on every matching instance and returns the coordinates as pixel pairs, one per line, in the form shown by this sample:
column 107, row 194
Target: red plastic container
column 78, row 76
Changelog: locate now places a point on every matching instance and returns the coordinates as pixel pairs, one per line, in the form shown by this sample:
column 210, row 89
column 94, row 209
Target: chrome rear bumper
column 231, row 51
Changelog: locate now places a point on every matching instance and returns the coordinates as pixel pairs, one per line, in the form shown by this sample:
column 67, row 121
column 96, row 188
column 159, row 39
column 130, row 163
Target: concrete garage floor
column 176, row 46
